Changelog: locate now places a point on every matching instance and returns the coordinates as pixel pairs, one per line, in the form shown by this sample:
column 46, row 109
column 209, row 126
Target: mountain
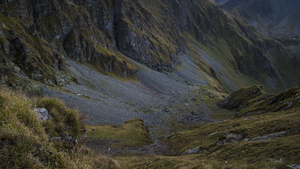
column 149, row 77
column 265, row 132
column 220, row 2
column 104, row 56
column 277, row 19
column 38, row 37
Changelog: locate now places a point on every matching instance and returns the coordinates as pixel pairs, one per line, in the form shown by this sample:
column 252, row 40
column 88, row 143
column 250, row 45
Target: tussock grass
column 27, row 142
column 232, row 143
column 132, row 133
column 214, row 153
column 253, row 100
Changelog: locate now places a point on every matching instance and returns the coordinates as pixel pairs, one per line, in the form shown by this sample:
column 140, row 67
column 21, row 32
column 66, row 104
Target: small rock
column 276, row 161
column 17, row 69
column 49, row 83
column 56, row 138
column 70, row 142
column 43, row 114
column 289, row 105
column 194, row 99
column 193, row 113
column 245, row 139
column 294, row 166
column 202, row 99
column 166, row 109
column 212, row 133
column 186, row 104
column 269, row 136
column 193, row 151
column 3, row 79
column 230, row 137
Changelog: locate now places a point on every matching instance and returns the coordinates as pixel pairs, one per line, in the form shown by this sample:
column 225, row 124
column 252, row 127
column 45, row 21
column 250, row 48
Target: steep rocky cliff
column 38, row 36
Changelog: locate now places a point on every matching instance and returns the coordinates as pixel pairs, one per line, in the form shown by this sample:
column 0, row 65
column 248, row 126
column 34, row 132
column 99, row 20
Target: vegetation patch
column 253, row 100
column 28, row 142
column 265, row 140
column 132, row 133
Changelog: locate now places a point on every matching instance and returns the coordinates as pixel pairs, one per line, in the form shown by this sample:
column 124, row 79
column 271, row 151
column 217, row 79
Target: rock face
column 43, row 114
column 37, row 36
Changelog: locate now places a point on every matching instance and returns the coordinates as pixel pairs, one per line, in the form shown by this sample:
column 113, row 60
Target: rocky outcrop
column 240, row 98
column 55, row 29
column 253, row 100
column 43, row 114
column 37, row 36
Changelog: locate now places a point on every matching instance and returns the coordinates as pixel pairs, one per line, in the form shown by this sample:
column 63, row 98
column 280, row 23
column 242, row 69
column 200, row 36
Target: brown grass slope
column 27, row 142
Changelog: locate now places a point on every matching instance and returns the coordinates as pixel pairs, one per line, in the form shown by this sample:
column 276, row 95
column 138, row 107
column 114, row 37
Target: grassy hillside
column 263, row 134
column 268, row 139
column 28, row 142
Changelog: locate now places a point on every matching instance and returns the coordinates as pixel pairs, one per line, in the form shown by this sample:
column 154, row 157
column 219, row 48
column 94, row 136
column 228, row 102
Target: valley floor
column 264, row 138
column 146, row 125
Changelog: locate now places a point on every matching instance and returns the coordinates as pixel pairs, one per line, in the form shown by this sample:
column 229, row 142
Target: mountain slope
column 264, row 137
column 279, row 20
column 164, row 64
column 104, row 34
column 104, row 56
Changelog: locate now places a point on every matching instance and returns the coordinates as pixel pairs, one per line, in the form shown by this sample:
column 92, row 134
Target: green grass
column 242, row 97
column 254, row 100
column 65, row 120
column 228, row 144
column 27, row 142
column 132, row 133
column 240, row 154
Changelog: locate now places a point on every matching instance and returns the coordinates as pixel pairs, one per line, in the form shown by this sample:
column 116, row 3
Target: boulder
column 43, row 114
column 166, row 109
column 195, row 150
